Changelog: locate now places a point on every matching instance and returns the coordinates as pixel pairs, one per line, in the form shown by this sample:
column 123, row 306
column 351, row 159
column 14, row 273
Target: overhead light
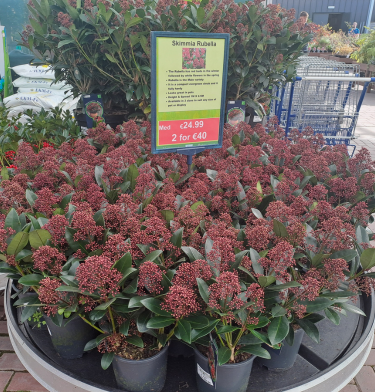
column 331, row 7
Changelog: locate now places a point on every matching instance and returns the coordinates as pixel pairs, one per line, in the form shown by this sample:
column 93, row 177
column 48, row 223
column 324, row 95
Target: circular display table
column 324, row 367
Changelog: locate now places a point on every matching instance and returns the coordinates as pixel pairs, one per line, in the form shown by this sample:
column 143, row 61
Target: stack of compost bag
column 37, row 90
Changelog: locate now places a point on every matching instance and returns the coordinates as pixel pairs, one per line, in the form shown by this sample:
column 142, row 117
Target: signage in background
column 189, row 74
column 235, row 112
column 5, row 72
column 94, row 110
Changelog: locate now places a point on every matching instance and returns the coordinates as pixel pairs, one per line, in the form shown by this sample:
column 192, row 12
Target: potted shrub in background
column 265, row 42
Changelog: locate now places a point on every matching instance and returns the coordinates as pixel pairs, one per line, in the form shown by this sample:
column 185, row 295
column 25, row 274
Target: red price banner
column 188, row 131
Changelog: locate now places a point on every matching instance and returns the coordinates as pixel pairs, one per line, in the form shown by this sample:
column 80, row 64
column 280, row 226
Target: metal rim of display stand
column 55, row 378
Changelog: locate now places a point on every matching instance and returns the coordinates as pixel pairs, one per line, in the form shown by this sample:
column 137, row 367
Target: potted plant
column 141, row 250
column 266, row 41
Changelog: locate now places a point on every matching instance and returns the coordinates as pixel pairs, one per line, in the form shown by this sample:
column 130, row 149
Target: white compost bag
column 20, row 109
column 46, row 101
column 32, row 71
column 40, row 83
column 70, row 105
column 60, row 93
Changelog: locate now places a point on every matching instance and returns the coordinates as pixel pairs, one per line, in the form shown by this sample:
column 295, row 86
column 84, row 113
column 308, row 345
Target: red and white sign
column 188, row 131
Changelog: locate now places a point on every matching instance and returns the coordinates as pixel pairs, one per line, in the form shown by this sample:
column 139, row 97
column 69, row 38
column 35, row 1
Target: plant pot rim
column 61, row 379
column 227, row 365
column 149, row 359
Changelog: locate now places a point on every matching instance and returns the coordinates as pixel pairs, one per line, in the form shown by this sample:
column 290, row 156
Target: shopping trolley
column 325, row 96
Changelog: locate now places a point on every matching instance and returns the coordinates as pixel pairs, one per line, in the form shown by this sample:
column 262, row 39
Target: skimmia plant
column 266, row 235
column 265, row 41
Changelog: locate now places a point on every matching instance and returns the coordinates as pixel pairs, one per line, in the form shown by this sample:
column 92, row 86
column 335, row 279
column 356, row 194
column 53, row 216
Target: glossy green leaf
column 192, row 253
column 278, row 329
column 347, row 254
column 23, row 254
column 310, row 329
column 223, row 355
column 135, row 341
column 284, row 286
column 30, row 280
column 27, row 313
column 12, row 220
column 160, row 322
column 317, row 305
column 105, row 305
column 39, row 238
column 256, row 350
column 332, row 316
column 124, row 327
column 19, row 241
column 203, row 290
column 176, row 238
column 31, row 197
column 154, row 305
column 107, row 359
column 183, row 329
column 124, row 263
column 368, row 258
column 132, row 175
column 265, row 281
column 279, row 229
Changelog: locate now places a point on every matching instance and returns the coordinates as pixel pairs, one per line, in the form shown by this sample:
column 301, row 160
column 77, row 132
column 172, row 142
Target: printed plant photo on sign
column 193, row 58
column 94, row 110
column 235, row 112
column 235, row 116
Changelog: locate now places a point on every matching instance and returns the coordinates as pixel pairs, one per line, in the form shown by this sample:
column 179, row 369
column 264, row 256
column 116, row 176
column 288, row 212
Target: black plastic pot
column 230, row 377
column 284, row 358
column 144, row 375
column 111, row 120
column 70, row 339
column 31, row 322
column 179, row 349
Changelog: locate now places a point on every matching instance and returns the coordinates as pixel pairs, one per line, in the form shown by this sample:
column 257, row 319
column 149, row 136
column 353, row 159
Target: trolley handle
column 336, row 78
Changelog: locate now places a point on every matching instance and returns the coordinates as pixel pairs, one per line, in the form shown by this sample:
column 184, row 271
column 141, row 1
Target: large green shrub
column 366, row 51
column 104, row 46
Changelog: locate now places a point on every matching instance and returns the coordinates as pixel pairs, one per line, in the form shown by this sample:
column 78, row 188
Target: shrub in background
column 101, row 46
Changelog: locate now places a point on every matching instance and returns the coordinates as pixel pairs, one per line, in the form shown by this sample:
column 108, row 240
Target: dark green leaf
column 135, row 341
column 347, row 254
column 31, row 197
column 203, row 290
column 160, row 322
column 279, row 229
column 310, row 329
column 192, row 253
column 12, row 220
column 27, row 313
column 107, row 359
column 30, row 280
column 256, row 350
column 317, row 305
column 278, row 329
column 124, row 263
column 176, row 238
column 184, row 330
column 368, row 258
column 18, row 242
column 154, row 305
column 332, row 315
column 132, row 175
column 223, row 355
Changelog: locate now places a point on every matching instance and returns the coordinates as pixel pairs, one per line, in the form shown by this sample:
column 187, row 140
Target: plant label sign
column 189, row 74
column 94, row 111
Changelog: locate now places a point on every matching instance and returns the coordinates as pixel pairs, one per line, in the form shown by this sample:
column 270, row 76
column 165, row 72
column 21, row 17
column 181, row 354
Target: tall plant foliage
column 104, row 46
